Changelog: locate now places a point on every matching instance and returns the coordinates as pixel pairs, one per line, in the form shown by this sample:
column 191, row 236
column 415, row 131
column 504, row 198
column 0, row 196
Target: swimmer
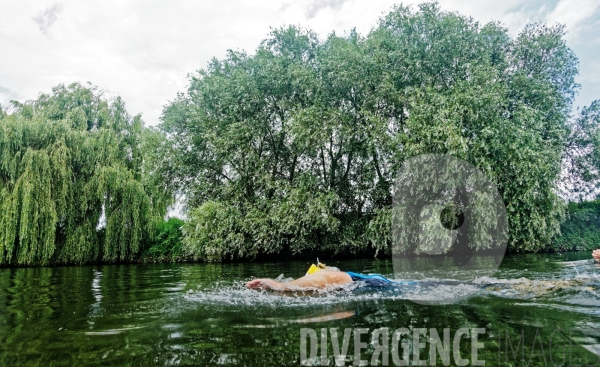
column 319, row 280
column 332, row 278
column 323, row 277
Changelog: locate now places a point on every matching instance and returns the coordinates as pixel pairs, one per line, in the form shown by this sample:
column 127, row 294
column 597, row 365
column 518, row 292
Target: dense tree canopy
column 70, row 180
column 296, row 147
column 580, row 231
column 581, row 176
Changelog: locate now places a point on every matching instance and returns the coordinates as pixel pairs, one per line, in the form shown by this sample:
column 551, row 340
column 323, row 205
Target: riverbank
column 580, row 232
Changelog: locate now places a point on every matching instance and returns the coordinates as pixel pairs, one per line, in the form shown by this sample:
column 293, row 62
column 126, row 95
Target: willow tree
column 70, row 180
column 334, row 119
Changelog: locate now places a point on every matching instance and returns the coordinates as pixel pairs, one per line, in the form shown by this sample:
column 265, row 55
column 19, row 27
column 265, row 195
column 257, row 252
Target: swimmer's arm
column 265, row 284
column 596, row 255
column 318, row 280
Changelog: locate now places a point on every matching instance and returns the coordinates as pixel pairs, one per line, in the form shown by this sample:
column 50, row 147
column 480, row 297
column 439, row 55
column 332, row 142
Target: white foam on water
column 442, row 293
column 491, row 280
column 239, row 295
column 435, row 290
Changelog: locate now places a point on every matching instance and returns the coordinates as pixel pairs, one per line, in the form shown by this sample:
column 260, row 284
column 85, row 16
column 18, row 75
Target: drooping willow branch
column 69, row 188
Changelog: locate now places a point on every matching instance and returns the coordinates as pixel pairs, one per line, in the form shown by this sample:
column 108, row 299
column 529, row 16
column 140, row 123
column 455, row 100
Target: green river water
column 201, row 314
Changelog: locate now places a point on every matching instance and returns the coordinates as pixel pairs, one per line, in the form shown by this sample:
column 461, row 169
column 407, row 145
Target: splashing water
column 430, row 289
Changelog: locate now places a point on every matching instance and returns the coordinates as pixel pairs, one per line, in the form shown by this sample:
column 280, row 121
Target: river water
column 201, row 314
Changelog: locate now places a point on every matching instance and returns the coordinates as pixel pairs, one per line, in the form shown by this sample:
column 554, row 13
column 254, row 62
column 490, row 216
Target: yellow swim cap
column 313, row 269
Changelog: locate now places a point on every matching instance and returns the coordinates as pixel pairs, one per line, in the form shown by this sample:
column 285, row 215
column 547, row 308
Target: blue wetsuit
column 375, row 280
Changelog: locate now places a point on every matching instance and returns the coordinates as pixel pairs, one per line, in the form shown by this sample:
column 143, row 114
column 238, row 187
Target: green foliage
column 166, row 245
column 156, row 153
column 344, row 113
column 67, row 160
column 581, row 229
column 291, row 221
column 582, row 161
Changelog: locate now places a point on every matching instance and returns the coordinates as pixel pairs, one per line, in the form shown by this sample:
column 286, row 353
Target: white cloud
column 46, row 18
column 6, row 95
column 316, row 5
column 573, row 14
column 144, row 49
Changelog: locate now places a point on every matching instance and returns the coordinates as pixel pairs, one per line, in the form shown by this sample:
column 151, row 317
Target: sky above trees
column 143, row 50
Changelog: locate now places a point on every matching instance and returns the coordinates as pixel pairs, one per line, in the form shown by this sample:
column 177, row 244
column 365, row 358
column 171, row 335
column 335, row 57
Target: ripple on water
column 580, row 289
column 238, row 295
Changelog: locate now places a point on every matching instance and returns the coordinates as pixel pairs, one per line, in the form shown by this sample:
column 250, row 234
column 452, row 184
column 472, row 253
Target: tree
column 581, row 176
column 70, row 180
column 336, row 119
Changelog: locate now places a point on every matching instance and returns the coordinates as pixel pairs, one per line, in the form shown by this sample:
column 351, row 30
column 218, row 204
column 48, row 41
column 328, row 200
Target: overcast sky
column 143, row 50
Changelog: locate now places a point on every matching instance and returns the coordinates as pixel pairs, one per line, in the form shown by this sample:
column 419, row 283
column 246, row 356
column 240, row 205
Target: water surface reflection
column 198, row 314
